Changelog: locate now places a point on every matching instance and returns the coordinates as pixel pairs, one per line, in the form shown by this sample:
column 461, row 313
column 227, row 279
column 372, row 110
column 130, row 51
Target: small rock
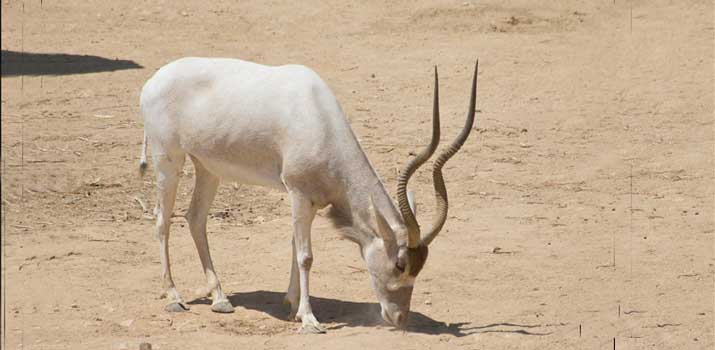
column 144, row 346
column 428, row 302
column 127, row 323
column 184, row 13
column 496, row 250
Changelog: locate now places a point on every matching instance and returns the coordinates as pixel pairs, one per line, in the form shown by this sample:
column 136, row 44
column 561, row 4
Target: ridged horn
column 413, row 228
column 438, row 179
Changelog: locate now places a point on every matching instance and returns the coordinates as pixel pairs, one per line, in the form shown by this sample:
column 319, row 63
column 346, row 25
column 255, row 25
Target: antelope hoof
column 308, row 328
column 311, row 325
column 222, row 307
column 176, row 307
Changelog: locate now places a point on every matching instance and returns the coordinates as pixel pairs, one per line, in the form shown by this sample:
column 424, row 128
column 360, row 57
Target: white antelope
column 282, row 127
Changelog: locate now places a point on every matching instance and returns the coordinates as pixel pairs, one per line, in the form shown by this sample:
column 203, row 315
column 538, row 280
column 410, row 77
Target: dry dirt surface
column 581, row 207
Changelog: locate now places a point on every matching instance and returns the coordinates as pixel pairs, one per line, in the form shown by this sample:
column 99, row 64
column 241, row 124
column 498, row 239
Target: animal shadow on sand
column 337, row 314
column 28, row 63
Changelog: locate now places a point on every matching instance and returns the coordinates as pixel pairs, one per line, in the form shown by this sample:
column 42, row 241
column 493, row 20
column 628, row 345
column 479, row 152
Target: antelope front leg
column 293, row 292
column 303, row 214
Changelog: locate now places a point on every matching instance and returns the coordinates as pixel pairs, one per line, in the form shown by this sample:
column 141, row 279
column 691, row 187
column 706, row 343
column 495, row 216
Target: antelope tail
column 142, row 159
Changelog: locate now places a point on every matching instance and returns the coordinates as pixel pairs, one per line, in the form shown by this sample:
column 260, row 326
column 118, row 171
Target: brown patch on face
column 416, row 258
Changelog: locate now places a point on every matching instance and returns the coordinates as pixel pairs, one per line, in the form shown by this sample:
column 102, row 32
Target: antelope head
column 394, row 264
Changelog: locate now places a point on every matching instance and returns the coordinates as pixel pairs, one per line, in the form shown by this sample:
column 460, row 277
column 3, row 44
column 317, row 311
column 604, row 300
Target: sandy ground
column 581, row 207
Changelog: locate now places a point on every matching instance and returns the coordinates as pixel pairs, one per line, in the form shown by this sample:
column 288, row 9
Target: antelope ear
column 383, row 228
column 411, row 201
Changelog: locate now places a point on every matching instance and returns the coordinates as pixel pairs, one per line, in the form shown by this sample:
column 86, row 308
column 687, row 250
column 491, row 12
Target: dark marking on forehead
column 416, row 258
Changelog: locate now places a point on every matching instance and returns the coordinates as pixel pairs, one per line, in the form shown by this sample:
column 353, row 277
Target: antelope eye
column 400, row 265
